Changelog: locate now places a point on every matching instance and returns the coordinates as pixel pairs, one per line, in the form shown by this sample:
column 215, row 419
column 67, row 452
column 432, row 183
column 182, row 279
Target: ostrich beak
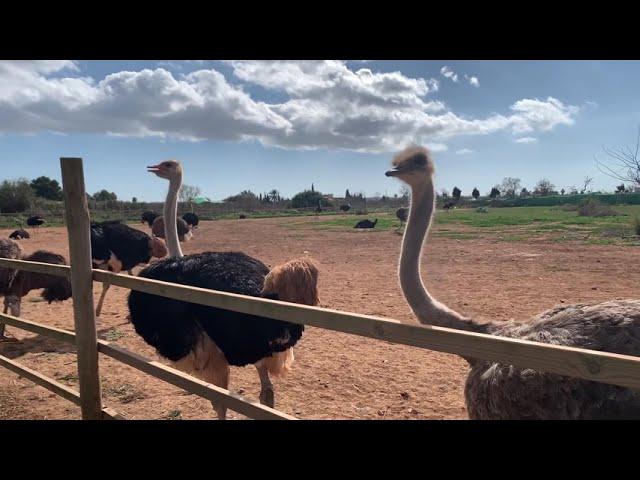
column 393, row 173
column 154, row 168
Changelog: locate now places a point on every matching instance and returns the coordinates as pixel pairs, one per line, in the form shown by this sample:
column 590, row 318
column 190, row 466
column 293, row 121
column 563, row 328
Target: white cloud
column 464, row 151
column 437, row 147
column 474, row 81
column 326, row 105
column 448, row 73
column 526, row 140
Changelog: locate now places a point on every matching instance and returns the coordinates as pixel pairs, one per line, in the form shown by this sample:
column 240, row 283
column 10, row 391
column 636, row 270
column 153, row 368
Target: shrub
column 15, row 196
column 592, row 207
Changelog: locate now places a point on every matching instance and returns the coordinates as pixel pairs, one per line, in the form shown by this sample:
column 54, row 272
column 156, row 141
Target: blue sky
column 261, row 125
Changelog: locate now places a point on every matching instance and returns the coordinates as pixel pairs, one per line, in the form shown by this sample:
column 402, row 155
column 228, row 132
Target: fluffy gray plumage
column 499, row 392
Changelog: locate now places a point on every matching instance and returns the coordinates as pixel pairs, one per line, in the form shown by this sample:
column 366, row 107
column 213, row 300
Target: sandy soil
column 336, row 376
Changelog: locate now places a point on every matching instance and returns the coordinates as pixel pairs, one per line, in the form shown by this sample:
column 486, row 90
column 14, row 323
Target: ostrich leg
column 105, row 289
column 267, row 395
column 11, row 305
column 218, row 374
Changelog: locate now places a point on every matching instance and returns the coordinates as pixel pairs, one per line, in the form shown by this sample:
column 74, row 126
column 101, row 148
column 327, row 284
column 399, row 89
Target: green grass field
column 509, row 224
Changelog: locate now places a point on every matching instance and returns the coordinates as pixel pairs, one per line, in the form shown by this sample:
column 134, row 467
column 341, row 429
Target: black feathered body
column 55, row 288
column 191, row 218
column 19, row 234
column 148, row 217
column 174, row 327
column 128, row 245
column 496, row 391
column 35, row 221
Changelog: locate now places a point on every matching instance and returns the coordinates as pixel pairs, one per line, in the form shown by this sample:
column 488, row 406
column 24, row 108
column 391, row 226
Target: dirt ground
column 335, row 376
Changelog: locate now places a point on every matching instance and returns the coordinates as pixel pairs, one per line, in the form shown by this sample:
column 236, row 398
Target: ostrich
column 19, row 234
column 345, row 208
column 117, row 247
column 319, row 208
column 366, row 224
column 35, row 221
column 204, row 340
column 148, row 217
column 401, row 213
column 242, row 216
column 191, row 219
column 496, row 391
column 449, row 205
column 184, row 232
column 15, row 284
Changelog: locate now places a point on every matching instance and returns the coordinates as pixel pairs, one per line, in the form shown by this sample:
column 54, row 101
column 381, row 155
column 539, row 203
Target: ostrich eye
column 420, row 161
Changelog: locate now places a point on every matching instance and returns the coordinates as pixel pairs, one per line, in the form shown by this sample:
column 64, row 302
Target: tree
column 104, row 196
column 312, row 189
column 475, row 194
column 621, row 189
column 15, row 196
column 308, row 198
column 274, row 196
column 347, row 194
column 46, row 187
column 444, row 193
column 404, row 192
column 626, row 163
column 562, row 192
column 455, row 193
column 188, row 193
column 586, row 182
column 544, row 188
column 524, row 192
column 495, row 193
column 510, row 186
column 134, row 200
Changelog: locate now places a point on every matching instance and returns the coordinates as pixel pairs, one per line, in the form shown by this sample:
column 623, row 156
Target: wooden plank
column 111, row 414
column 623, row 370
column 191, row 384
column 57, row 333
column 171, row 375
column 78, row 224
column 42, row 380
column 37, row 267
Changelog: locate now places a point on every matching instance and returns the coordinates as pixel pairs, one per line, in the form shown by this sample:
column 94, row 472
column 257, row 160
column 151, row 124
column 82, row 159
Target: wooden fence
column 622, row 370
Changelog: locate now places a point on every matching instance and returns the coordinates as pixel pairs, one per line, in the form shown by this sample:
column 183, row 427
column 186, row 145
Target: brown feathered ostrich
column 205, row 341
column 184, row 231
column 497, row 391
column 15, row 284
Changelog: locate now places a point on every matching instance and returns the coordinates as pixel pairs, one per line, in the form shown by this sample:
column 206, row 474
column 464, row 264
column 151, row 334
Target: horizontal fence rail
column 171, row 375
column 604, row 367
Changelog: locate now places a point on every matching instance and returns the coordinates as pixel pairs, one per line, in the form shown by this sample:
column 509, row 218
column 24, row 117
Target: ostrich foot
column 267, row 397
column 4, row 338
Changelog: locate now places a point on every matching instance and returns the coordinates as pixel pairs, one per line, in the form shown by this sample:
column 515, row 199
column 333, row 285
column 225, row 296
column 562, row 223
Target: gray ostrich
column 402, row 213
column 15, row 284
column 495, row 391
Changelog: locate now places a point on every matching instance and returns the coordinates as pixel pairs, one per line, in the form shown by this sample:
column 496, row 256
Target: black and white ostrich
column 15, row 284
column 148, row 217
column 191, row 219
column 402, row 214
column 184, row 231
column 498, row 391
column 366, row 224
column 19, row 234
column 117, row 247
column 345, row 208
column 204, row 340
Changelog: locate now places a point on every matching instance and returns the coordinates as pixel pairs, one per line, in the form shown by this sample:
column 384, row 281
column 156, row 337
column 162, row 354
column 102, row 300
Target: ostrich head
column 169, row 169
column 412, row 166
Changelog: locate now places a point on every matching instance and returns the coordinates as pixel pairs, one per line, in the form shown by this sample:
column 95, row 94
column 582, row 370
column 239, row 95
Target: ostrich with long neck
column 495, row 391
column 205, row 340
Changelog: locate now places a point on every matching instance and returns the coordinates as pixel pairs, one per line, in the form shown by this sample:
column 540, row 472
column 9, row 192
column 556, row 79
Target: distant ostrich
column 319, row 208
column 242, row 216
column 402, row 213
column 345, row 208
column 15, row 284
column 206, row 340
column 148, row 217
column 191, row 219
column 496, row 391
column 35, row 221
column 366, row 224
column 184, row 232
column 116, row 247
column 19, row 234
column 449, row 205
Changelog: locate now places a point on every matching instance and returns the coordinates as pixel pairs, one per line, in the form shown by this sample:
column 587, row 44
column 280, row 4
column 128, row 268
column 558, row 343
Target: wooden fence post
column 78, row 227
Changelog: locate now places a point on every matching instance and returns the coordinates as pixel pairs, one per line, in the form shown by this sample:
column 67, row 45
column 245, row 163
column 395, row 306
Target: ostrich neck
column 171, row 217
column 426, row 308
